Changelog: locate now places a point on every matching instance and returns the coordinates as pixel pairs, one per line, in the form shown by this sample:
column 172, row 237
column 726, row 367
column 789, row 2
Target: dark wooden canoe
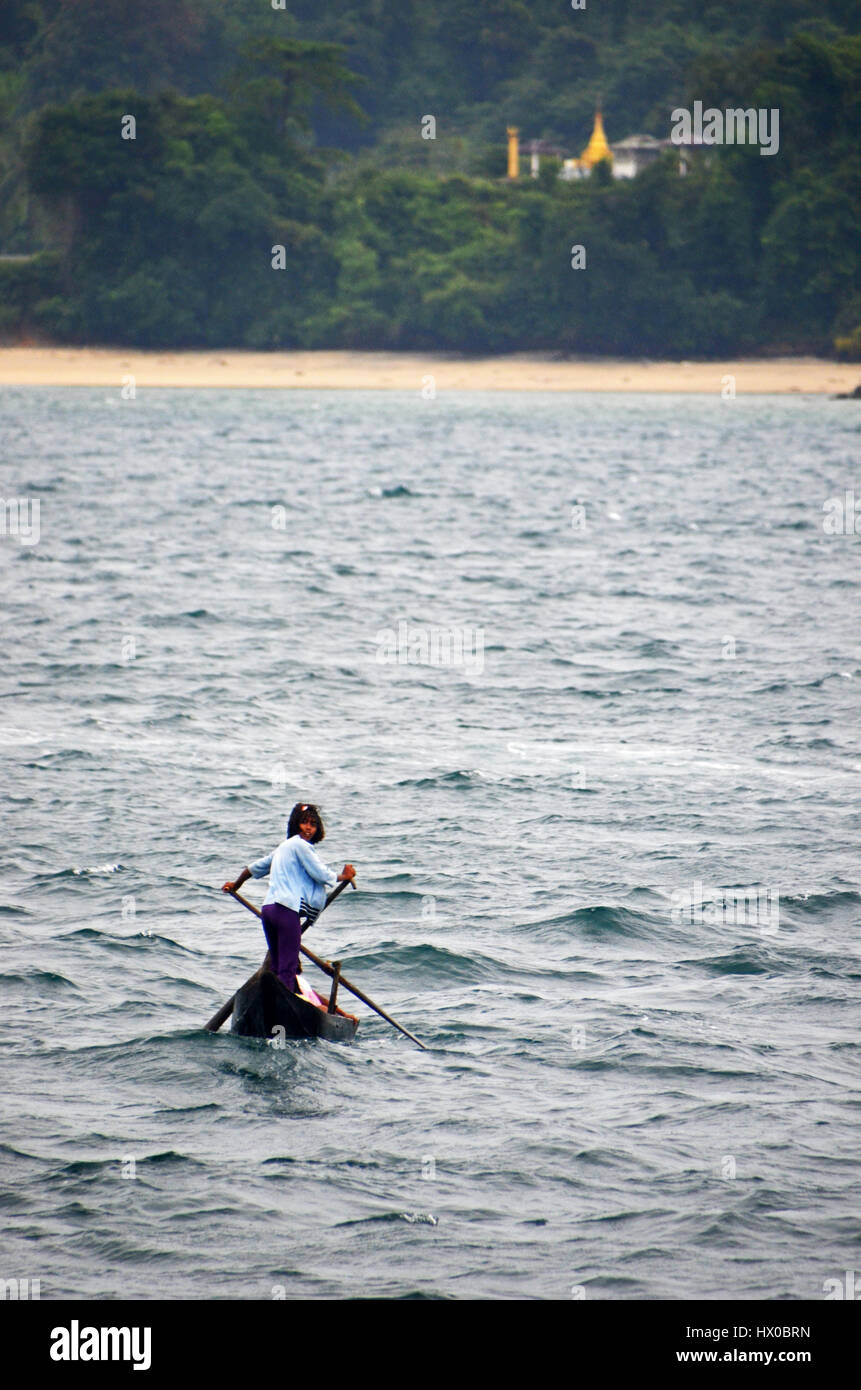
column 263, row 1006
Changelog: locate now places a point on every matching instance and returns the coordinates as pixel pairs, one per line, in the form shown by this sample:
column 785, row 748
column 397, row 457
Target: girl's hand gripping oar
column 327, row 970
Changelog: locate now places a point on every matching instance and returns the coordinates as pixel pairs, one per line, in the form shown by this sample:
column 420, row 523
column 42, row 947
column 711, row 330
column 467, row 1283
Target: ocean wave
column 599, row 922
column 36, row 979
column 834, row 901
column 457, row 777
column 744, row 960
column 188, row 615
column 412, row 1218
column 133, row 942
column 424, row 962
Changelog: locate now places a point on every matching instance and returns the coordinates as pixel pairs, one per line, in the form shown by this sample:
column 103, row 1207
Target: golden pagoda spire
column 597, row 148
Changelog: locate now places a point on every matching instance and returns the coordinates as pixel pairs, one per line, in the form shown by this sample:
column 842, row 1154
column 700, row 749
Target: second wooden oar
column 345, row 984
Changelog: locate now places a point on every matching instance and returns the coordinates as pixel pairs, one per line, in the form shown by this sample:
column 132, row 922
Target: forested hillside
column 301, row 128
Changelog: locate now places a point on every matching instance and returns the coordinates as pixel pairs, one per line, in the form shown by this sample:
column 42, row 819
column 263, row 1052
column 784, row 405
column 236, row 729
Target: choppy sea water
column 645, row 695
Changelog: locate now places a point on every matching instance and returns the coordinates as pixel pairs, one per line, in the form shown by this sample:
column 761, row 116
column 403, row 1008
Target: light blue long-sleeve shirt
column 297, row 875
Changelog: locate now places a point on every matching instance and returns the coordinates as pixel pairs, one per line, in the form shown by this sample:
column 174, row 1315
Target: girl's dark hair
column 303, row 810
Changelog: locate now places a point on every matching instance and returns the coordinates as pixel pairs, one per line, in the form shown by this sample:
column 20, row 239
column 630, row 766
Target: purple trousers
column 283, row 935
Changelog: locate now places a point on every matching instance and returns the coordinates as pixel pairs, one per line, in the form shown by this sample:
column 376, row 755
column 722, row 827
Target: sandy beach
column 386, row 371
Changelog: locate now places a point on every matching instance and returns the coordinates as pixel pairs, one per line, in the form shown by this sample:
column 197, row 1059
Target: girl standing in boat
column 298, row 879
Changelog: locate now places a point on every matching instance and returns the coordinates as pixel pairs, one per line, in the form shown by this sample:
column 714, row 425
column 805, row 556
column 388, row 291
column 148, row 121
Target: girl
column 297, row 883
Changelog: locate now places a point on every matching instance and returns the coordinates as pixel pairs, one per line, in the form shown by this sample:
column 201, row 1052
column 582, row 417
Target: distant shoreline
column 391, row 371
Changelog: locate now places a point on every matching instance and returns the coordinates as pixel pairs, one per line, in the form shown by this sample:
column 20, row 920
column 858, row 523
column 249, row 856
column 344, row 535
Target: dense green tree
column 20, row 23
column 283, row 77
column 87, row 45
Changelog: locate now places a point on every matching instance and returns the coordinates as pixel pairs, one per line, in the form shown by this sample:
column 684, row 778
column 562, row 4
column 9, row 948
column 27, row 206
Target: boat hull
column 263, row 1007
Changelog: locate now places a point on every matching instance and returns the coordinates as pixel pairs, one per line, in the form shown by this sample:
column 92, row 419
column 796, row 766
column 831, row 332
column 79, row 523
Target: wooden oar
column 227, row 1009
column 327, row 970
